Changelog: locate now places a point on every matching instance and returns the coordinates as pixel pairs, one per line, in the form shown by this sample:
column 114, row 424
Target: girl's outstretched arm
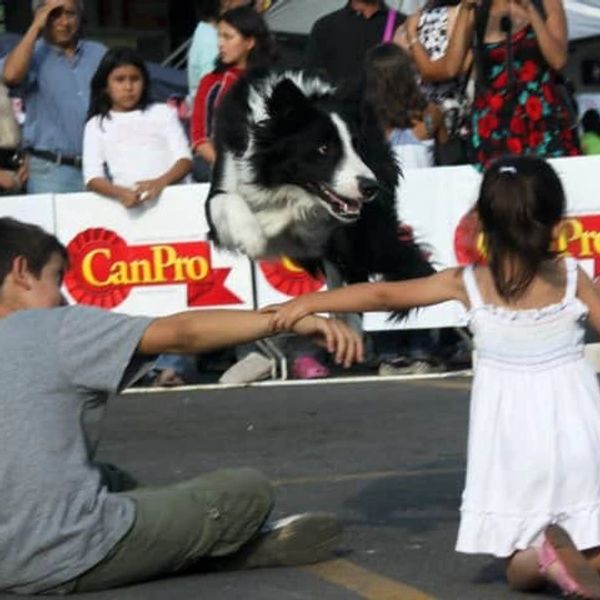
column 364, row 297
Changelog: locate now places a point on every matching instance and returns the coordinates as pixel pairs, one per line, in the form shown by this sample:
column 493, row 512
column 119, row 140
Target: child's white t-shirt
column 133, row 146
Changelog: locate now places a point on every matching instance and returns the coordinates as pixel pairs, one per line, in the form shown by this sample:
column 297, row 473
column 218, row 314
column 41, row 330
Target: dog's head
column 303, row 141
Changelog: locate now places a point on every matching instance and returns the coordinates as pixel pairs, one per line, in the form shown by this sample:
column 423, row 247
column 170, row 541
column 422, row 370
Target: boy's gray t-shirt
column 58, row 367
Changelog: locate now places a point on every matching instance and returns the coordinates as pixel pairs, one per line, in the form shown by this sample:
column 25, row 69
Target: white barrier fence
column 155, row 260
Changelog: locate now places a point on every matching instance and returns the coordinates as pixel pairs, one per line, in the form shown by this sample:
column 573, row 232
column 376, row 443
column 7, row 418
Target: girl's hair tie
column 508, row 169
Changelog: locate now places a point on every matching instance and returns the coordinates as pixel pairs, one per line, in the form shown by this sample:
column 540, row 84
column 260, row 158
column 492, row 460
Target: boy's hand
column 336, row 336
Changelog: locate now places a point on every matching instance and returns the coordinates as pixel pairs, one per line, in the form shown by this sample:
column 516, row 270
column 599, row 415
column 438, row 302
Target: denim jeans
column 46, row 177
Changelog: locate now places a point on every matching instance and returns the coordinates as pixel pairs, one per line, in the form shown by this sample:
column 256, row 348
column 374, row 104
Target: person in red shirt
column 244, row 42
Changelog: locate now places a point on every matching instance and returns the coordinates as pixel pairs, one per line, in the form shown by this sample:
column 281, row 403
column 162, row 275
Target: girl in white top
column 132, row 149
column 532, row 492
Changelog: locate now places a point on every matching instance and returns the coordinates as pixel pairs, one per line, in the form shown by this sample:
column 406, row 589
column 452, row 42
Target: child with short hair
column 532, row 492
column 63, row 529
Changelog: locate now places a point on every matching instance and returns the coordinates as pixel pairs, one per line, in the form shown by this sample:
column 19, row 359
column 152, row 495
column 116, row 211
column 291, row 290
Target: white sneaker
column 296, row 540
column 253, row 367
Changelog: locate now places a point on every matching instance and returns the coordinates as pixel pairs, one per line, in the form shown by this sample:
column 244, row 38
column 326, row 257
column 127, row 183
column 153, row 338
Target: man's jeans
column 46, row 177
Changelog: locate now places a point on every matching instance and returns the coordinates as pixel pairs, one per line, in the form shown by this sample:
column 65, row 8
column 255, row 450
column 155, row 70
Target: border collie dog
column 304, row 172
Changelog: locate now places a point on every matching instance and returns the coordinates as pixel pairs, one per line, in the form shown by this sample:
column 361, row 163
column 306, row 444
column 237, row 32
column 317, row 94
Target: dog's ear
column 287, row 102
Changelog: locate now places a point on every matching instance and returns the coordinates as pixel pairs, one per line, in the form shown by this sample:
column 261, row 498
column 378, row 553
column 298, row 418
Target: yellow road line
column 440, row 383
column 366, row 584
column 365, row 476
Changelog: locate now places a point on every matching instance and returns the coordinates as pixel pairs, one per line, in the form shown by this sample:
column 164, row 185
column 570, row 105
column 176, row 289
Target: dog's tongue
column 346, row 205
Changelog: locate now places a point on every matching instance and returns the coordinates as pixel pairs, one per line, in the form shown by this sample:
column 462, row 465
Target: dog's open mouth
column 342, row 206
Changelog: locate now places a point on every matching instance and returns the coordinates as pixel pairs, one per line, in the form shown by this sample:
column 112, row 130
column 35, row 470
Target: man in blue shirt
column 54, row 74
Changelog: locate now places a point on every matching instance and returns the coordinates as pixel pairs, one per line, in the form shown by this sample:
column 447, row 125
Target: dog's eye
column 323, row 149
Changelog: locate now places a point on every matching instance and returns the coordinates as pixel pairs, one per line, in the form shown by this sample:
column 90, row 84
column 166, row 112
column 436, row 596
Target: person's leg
column 177, row 526
column 523, row 571
column 559, row 562
column 45, row 177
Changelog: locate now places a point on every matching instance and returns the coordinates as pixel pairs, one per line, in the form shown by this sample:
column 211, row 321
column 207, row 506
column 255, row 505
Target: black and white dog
column 305, row 173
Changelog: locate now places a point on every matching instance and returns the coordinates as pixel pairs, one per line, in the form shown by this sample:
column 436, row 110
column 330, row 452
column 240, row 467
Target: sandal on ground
column 307, row 367
column 563, row 564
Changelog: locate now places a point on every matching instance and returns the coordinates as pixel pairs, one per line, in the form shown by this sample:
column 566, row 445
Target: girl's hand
column 129, row 198
column 149, row 189
column 337, row 337
column 286, row 315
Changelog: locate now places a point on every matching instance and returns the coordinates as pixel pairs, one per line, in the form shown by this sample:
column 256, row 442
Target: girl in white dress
column 532, row 492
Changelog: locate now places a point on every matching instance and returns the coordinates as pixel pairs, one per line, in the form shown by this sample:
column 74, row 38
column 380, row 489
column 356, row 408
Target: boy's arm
column 385, row 296
column 207, row 330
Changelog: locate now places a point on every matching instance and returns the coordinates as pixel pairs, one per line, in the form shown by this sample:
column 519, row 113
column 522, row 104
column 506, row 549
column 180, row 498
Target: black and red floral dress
column 526, row 116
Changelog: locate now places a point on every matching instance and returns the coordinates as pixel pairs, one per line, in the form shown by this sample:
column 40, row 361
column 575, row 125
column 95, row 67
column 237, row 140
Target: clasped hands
column 340, row 340
column 141, row 192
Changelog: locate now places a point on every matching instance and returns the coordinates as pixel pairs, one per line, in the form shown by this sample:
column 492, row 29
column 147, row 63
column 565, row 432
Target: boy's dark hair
column 30, row 241
column 100, row 102
column 391, row 87
column 590, row 122
column 250, row 24
column 520, row 202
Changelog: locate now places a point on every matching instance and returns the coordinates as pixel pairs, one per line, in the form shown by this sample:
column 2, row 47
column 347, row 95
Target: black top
column 339, row 41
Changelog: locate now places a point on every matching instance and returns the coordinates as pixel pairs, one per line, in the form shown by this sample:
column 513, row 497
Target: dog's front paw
column 253, row 244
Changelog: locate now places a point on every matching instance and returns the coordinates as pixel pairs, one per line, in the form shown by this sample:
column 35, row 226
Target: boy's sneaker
column 296, row 540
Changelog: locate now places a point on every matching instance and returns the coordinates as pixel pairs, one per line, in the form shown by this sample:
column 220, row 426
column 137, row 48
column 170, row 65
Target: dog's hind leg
column 236, row 226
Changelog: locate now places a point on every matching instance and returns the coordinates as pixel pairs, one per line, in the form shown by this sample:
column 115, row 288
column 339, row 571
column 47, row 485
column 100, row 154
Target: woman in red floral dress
column 526, row 112
column 518, row 108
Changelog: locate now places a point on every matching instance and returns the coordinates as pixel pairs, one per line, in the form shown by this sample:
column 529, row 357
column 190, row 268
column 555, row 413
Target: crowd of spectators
column 459, row 81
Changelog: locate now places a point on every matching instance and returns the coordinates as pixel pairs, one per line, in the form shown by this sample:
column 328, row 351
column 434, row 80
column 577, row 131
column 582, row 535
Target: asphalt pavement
column 386, row 455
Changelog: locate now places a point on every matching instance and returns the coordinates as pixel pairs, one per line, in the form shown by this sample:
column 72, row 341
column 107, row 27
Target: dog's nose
column 368, row 187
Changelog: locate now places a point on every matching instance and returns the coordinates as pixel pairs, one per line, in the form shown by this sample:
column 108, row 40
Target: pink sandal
column 571, row 571
column 306, row 367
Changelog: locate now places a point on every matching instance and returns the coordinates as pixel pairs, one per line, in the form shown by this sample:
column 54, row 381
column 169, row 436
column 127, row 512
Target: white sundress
column 533, row 453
